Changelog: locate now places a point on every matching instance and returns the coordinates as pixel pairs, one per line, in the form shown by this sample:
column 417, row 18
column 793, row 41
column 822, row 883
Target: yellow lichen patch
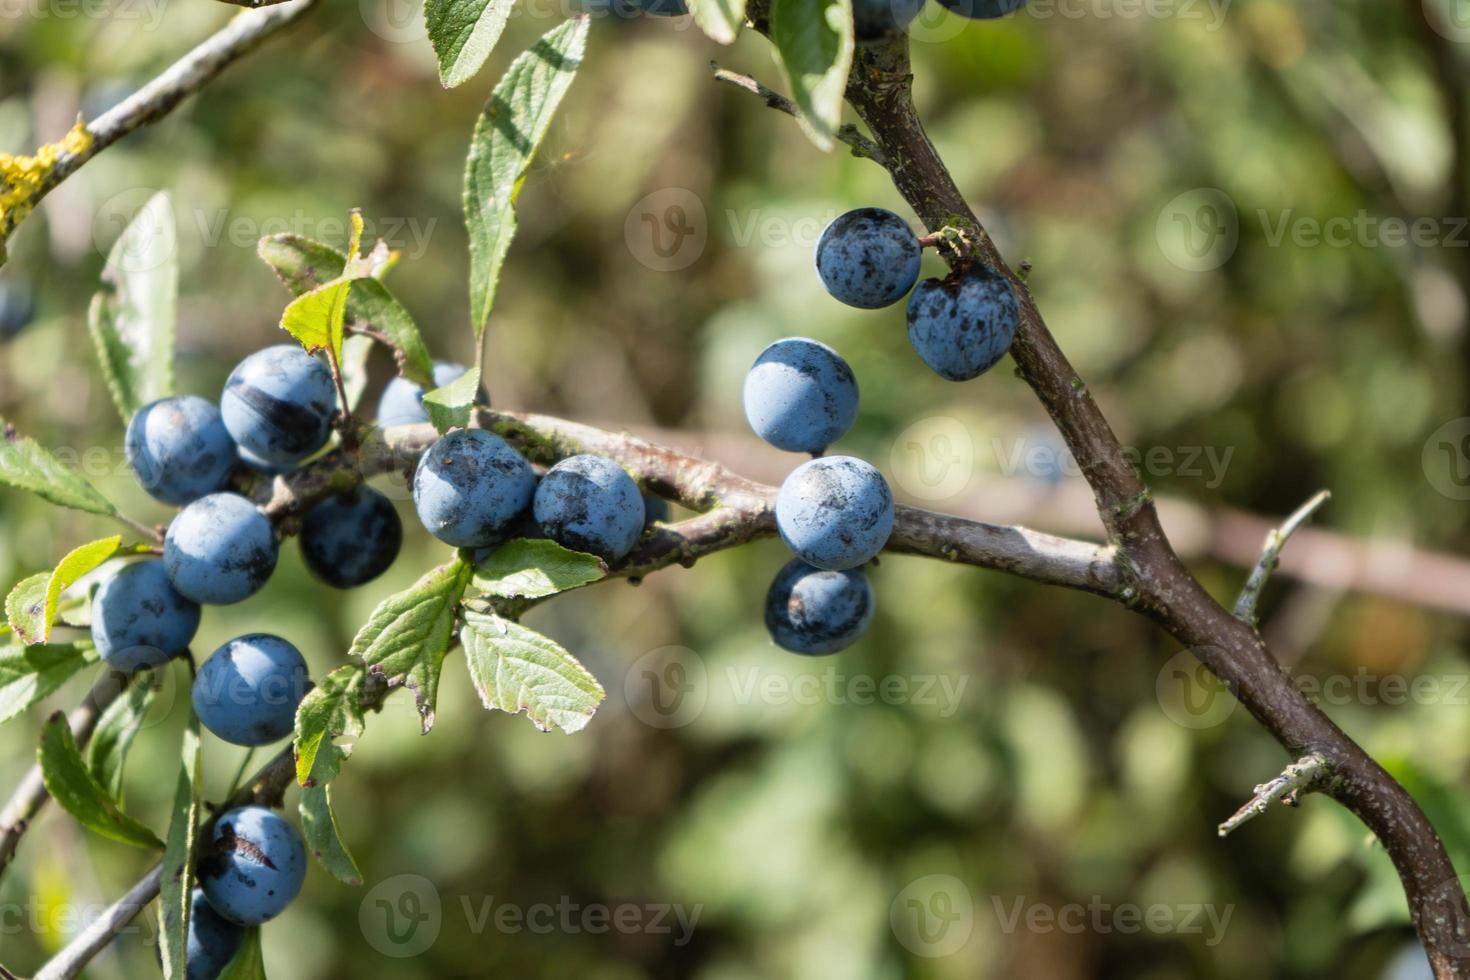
column 22, row 177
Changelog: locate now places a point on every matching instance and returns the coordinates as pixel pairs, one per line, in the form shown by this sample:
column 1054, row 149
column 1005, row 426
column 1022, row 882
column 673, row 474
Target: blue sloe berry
column 868, row 258
column 278, row 404
column 816, row 611
column 961, row 326
column 253, row 866
column 139, row 619
column 589, row 503
column 179, row 448
column 351, row 539
column 469, row 486
column 213, row 940
column 219, row 549
column 874, row 20
column 248, row 690
column 835, row 512
column 402, row 401
column 800, row 395
column 983, row 9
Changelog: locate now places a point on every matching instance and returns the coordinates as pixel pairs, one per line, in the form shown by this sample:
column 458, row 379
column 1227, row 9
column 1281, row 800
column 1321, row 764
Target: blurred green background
column 1036, row 793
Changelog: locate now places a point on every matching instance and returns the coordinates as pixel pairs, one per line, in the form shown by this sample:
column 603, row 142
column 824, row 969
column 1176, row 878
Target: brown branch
column 860, row 144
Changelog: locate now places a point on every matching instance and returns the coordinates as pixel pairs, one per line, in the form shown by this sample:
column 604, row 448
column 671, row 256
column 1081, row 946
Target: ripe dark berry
column 179, row 448
column 253, row 865
column 588, row 503
column 278, row 404
column 868, row 258
column 800, row 395
column 248, row 690
column 219, row 549
column 469, row 486
column 835, row 513
column 139, row 619
column 983, row 9
column 963, row 325
column 352, row 539
column 813, row 611
column 874, row 20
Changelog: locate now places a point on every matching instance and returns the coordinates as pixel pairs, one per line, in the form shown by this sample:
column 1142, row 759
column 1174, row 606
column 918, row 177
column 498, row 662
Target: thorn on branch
column 1303, row 776
column 848, row 133
column 1255, row 584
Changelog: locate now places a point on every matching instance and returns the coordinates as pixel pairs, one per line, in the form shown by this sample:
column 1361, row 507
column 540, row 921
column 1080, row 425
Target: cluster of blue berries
column 836, row 513
column 960, row 326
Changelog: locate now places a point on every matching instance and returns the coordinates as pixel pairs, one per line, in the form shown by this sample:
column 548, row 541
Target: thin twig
column 1300, row 777
column 861, row 145
column 1255, row 583
column 158, row 97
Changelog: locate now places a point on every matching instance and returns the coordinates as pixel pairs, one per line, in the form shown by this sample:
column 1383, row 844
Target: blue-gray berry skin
column 213, row 939
column 800, row 395
column 253, row 865
column 835, row 513
column 262, row 466
column 139, row 619
column 352, row 539
column 179, row 449
column 402, row 401
column 983, row 9
column 874, row 20
column 588, row 503
column 961, row 326
column 248, row 690
column 469, row 486
column 814, row 611
column 868, row 258
column 219, row 549
column 278, row 403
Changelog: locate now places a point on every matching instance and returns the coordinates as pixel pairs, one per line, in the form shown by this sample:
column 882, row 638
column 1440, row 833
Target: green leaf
column 177, row 883
column 814, row 41
column 720, row 20
column 463, row 32
column 116, row 729
column 511, row 127
column 532, row 568
column 70, row 784
column 25, row 607
column 247, row 963
column 517, row 669
column 30, row 673
column 318, row 318
column 26, row 466
column 319, row 826
column 355, row 352
column 303, row 265
column 132, row 319
column 449, row 407
column 332, row 709
column 405, row 639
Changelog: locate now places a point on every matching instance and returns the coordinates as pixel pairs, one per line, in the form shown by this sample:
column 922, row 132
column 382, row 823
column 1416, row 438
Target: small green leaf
column 532, row 568
column 517, row 669
column 65, row 775
column 116, row 729
column 247, row 963
column 814, row 40
column 449, row 407
column 405, row 639
column 511, row 127
column 332, row 709
column 78, row 562
column 30, row 673
column 317, row 319
column 26, row 466
column 177, row 883
column 132, row 319
column 25, row 607
column 319, row 826
column 463, row 32
column 720, row 20
column 303, row 265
